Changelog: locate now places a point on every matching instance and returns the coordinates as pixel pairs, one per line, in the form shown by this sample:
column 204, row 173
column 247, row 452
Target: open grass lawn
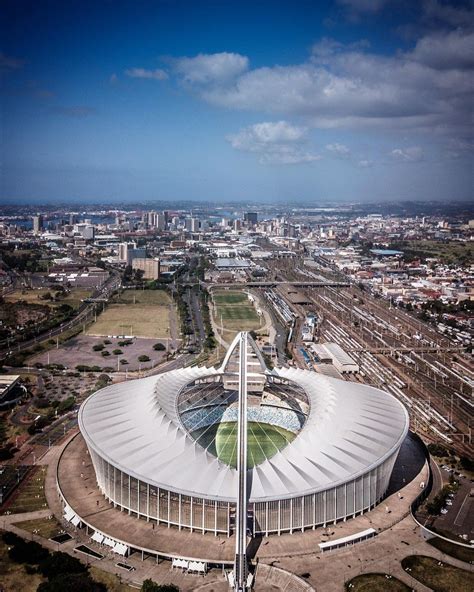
column 263, row 441
column 30, row 495
column 141, row 313
column 74, row 298
column 451, row 251
column 440, row 577
column 44, row 527
column 461, row 553
column 143, row 297
column 13, row 576
column 376, row 583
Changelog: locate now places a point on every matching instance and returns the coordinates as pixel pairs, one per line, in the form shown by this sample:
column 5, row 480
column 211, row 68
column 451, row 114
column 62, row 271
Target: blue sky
column 306, row 102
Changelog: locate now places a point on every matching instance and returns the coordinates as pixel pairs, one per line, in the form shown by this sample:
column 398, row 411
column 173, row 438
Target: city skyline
column 339, row 101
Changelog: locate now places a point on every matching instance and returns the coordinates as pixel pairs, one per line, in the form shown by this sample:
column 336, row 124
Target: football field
column 263, row 441
column 141, row 313
column 234, row 312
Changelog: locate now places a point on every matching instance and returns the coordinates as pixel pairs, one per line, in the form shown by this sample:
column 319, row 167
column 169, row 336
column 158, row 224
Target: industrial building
column 333, row 353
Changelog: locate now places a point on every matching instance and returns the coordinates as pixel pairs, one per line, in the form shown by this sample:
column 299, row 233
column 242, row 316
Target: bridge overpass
column 274, row 284
column 405, row 350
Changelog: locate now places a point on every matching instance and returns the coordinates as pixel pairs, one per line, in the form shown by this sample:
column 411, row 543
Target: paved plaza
column 398, row 536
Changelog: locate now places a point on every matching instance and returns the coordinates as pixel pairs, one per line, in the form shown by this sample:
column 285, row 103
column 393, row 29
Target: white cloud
column 211, row 68
column 411, row 154
column 113, row 78
column 340, row 86
column 276, row 143
column 445, row 51
column 339, row 150
column 365, row 164
column 157, row 74
column 327, row 47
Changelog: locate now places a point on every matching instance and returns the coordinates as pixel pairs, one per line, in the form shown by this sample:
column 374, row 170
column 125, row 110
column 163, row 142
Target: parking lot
column 457, row 515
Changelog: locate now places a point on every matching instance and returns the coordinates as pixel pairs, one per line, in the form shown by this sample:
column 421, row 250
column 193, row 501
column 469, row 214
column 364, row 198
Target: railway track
column 438, row 397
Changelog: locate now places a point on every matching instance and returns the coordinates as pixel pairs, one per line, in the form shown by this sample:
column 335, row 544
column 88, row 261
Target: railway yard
column 427, row 371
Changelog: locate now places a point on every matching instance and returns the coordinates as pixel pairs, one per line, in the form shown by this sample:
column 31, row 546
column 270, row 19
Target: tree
column 60, row 563
column 159, row 347
column 27, row 552
column 143, row 358
column 151, row 586
column 72, row 583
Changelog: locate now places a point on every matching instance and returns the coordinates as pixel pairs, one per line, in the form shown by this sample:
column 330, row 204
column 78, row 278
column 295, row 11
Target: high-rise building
column 160, row 221
column 237, row 225
column 85, row 229
column 127, row 252
column 151, row 219
column 123, row 251
column 251, row 218
column 37, row 223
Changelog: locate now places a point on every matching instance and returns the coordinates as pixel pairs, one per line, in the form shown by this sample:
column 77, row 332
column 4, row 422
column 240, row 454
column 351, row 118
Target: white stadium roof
column 350, row 429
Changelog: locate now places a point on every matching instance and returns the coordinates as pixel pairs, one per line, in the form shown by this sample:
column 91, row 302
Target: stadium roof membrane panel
column 349, row 429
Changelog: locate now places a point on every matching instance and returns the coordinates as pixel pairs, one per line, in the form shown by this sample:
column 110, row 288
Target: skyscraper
column 37, row 223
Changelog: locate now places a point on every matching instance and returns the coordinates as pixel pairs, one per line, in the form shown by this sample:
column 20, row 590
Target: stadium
column 319, row 449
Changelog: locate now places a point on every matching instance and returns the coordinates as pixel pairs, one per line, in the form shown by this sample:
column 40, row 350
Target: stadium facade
column 319, row 449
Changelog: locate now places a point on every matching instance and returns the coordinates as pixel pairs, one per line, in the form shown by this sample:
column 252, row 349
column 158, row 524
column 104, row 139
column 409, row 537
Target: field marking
column 467, row 498
column 258, row 434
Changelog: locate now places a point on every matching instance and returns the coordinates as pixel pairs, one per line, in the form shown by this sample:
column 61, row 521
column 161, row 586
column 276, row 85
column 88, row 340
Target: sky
column 300, row 102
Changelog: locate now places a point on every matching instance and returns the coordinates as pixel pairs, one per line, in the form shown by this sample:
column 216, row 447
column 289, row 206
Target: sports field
column 141, row 313
column 263, row 441
column 234, row 312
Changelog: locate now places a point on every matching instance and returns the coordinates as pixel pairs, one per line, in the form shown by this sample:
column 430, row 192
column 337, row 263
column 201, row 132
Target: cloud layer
column 275, row 142
column 429, row 88
column 211, row 69
column 157, row 74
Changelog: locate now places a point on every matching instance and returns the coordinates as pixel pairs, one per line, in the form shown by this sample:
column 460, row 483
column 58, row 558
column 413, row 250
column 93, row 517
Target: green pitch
column 263, row 441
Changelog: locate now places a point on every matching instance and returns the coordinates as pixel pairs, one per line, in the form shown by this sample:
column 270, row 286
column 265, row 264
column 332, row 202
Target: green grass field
column 30, row 496
column 375, row 582
column 439, row 577
column 263, row 441
column 44, row 527
column 229, row 297
column 234, row 312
